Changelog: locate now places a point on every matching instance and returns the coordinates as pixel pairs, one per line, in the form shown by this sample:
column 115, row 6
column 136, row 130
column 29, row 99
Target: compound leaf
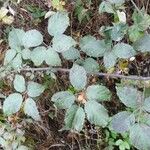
column 52, row 58
column 123, row 50
column 96, row 113
column 91, row 65
column 63, row 99
column 98, row 92
column 58, row 23
column 15, row 38
column 143, row 44
column 74, row 118
column 139, row 136
column 122, row 121
column 9, row 55
column 129, row 96
column 92, row 47
column 110, row 60
column 146, row 105
column 32, row 38
column 78, row 77
column 34, row 89
column 19, row 83
column 31, row 110
column 38, row 55
column 71, row 54
column 63, row 43
column 12, row 104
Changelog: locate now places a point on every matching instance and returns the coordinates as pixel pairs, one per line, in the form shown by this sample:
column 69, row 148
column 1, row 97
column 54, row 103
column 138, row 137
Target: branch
column 132, row 77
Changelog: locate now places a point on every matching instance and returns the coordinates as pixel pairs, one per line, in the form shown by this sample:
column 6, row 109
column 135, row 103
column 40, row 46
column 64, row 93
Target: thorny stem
column 132, row 77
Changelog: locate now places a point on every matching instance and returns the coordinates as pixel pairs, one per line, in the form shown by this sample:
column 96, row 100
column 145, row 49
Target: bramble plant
column 84, row 102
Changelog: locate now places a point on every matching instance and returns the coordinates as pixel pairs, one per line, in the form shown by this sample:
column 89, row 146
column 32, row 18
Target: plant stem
column 132, row 77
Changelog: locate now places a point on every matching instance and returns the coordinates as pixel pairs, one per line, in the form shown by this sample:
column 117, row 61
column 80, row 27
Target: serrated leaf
column 71, row 54
column 12, row 104
column 17, row 62
column 146, row 105
column 122, row 121
column 38, row 55
column 9, row 55
column 26, row 53
column 96, row 113
column 91, row 65
column 34, row 89
column 52, row 58
column 74, row 118
column 110, row 59
column 139, row 136
column 19, row 83
column 32, row 38
column 118, row 31
column 129, row 96
column 143, row 44
column 78, row 77
column 106, row 7
column 134, row 33
column 58, row 23
column 63, row 43
column 31, row 110
column 92, row 47
column 15, row 38
column 123, row 50
column 63, row 99
column 98, row 92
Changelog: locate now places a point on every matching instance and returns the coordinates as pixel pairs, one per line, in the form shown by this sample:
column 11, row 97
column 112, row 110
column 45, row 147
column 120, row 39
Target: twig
column 132, row 77
column 136, row 7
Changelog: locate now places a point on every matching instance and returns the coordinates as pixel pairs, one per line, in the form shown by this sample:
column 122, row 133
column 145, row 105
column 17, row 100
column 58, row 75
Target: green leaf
column 71, row 54
column 96, row 113
column 12, row 104
column 134, row 33
column 74, row 118
column 34, row 89
column 123, row 50
column 146, row 105
column 9, row 56
column 38, row 55
column 22, row 147
column 30, row 109
column 17, row 62
column 32, row 38
column 122, row 121
column 110, row 59
column 139, row 136
column 143, row 44
column 19, row 83
column 91, row 65
column 58, row 23
column 129, row 96
column 92, row 47
column 52, row 58
column 106, row 7
column 26, row 53
column 78, row 77
column 98, row 92
column 118, row 32
column 63, row 43
column 15, row 38
column 117, row 1
column 63, row 99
